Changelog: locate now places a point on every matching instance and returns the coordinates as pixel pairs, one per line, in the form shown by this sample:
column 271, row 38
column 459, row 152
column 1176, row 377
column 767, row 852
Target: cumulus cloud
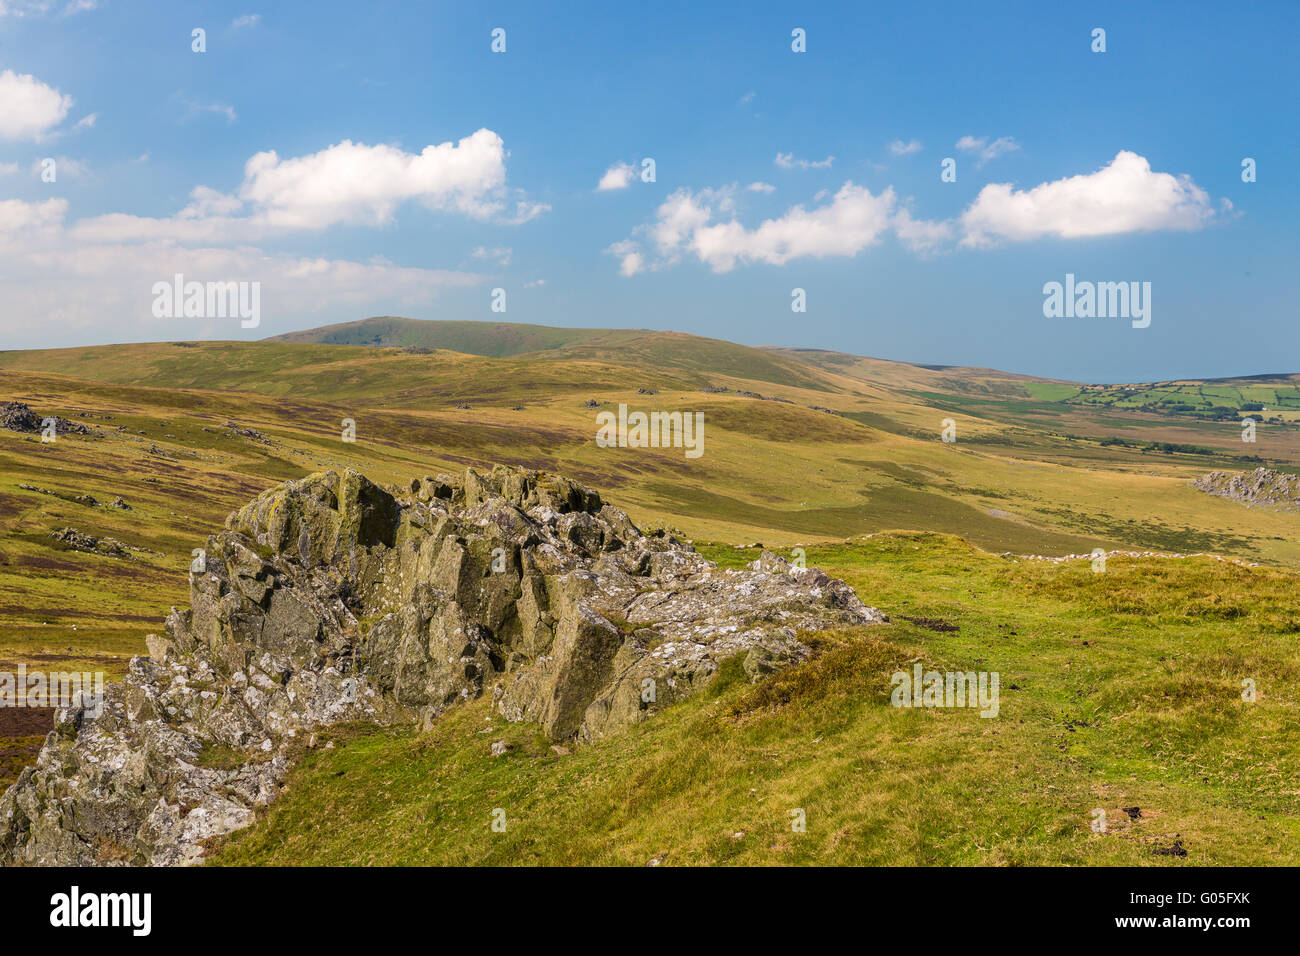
column 29, row 109
column 985, row 150
column 788, row 161
column 922, row 235
column 17, row 216
column 348, row 183
column 39, row 8
column 760, row 187
column 51, row 279
column 247, row 20
column 704, row 225
column 899, row 148
column 1124, row 196
column 693, row 224
column 72, row 273
column 501, row 254
column 618, row 176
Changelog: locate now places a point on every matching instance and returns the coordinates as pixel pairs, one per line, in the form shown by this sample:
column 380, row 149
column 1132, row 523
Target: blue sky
column 774, row 170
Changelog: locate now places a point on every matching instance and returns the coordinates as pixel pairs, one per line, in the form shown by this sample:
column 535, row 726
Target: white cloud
column 73, row 273
column 348, row 183
column 618, row 176
column 526, row 211
column 686, row 224
column 1125, row 196
column 922, row 235
column 899, row 148
column 64, row 167
column 73, row 285
column 87, row 121
column 631, row 261
column 8, row 169
column 352, row 182
column 501, row 254
column 29, row 109
column 39, row 8
column 747, row 98
column 535, row 284
column 760, row 187
column 18, row 216
column 247, row 20
column 986, row 150
column 788, row 161
column 193, row 109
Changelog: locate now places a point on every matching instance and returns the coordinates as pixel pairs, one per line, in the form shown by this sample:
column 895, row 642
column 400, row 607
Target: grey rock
column 1261, row 487
column 329, row 599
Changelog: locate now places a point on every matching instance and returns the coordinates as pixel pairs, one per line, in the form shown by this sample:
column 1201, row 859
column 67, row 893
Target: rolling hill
column 839, row 454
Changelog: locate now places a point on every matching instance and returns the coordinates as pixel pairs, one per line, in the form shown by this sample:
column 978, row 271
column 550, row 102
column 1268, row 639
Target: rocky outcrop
column 331, row 599
column 1263, row 486
column 19, row 417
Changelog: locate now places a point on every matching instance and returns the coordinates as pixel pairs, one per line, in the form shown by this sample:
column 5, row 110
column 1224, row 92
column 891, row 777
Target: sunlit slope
column 494, row 339
column 1118, row 690
column 1025, row 474
column 170, row 435
column 696, row 357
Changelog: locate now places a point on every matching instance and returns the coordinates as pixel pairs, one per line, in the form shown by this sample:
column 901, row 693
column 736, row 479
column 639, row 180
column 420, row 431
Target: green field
column 1118, row 690
column 1128, row 683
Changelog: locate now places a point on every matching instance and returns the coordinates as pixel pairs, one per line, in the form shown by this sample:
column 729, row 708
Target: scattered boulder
column 19, row 417
column 79, row 541
column 1263, row 486
column 330, row 599
column 243, row 431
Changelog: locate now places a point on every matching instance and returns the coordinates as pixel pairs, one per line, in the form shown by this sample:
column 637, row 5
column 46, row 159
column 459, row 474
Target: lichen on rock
column 330, row 599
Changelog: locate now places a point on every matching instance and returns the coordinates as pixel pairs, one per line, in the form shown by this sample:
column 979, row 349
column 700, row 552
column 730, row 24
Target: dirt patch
column 929, row 623
column 30, row 659
column 25, row 721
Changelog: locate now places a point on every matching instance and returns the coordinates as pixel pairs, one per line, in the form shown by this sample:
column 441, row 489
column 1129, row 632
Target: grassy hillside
column 801, row 447
column 495, row 339
column 698, row 358
column 1120, row 690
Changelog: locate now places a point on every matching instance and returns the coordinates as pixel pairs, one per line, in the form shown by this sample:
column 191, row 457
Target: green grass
column 1119, row 689
column 1127, row 684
